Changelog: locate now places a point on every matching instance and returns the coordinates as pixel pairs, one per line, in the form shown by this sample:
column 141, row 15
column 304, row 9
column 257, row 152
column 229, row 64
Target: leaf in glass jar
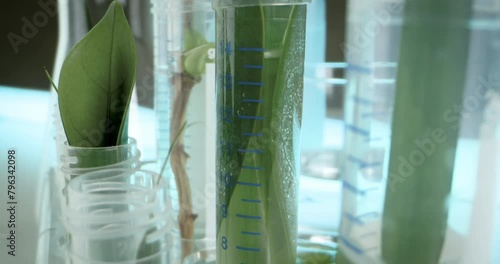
column 96, row 83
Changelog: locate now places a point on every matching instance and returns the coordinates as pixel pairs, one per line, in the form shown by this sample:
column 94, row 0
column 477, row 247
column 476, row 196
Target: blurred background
column 23, row 56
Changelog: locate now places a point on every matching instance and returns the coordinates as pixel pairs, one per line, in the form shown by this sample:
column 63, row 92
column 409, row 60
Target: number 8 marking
column 224, row 242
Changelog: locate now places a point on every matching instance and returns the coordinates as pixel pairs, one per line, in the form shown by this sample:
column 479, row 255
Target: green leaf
column 96, row 83
column 279, row 31
column 196, row 59
column 148, row 249
column 430, row 80
column 193, row 39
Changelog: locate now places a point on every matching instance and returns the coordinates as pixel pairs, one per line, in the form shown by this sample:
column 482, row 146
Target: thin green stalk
column 430, row 80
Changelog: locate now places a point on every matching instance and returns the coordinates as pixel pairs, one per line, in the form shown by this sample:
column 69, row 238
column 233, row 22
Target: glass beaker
column 322, row 127
column 75, row 161
column 185, row 89
column 421, row 181
column 196, row 250
column 116, row 215
column 260, row 71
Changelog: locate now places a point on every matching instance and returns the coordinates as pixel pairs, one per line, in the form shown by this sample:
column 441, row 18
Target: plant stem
column 183, row 84
column 189, row 70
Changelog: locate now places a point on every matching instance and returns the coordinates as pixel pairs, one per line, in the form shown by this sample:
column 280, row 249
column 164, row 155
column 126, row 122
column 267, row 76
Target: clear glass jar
column 260, row 65
column 116, row 215
column 185, row 89
column 422, row 171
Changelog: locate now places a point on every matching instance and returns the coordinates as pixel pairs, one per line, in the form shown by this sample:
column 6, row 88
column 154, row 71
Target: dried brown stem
column 183, row 84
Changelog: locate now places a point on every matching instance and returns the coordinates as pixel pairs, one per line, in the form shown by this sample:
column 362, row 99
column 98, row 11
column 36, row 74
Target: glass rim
column 142, row 212
column 175, row 6
column 68, row 170
column 130, row 142
column 156, row 179
column 221, row 4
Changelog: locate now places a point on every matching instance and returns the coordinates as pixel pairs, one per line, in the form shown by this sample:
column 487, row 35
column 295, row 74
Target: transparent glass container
column 185, row 90
column 116, row 215
column 322, row 140
column 75, row 19
column 422, row 171
column 260, row 65
column 199, row 249
column 75, row 161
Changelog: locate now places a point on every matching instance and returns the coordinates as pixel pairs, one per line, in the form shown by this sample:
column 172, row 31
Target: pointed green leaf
column 193, row 39
column 50, row 79
column 96, row 83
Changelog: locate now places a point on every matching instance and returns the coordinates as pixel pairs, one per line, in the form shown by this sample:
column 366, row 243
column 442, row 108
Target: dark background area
column 25, row 68
column 335, row 15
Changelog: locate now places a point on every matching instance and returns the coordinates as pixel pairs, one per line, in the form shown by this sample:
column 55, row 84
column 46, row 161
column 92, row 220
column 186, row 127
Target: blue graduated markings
column 251, row 117
column 352, row 188
column 256, row 151
column 253, row 101
column 353, row 219
column 246, row 84
column 248, row 134
column 357, row 130
column 250, row 200
column 251, row 233
column 250, row 49
column 254, row 217
column 252, row 168
column 358, row 219
column 259, row 84
column 250, row 184
column 363, row 164
column 351, row 245
column 251, row 66
column 247, row 249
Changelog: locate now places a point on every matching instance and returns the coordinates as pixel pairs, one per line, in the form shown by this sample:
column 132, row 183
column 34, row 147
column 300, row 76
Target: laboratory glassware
column 116, row 215
column 259, row 67
column 184, row 92
column 421, row 180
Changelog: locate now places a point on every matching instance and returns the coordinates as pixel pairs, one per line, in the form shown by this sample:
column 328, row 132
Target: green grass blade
column 50, row 79
column 430, row 80
column 176, row 139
